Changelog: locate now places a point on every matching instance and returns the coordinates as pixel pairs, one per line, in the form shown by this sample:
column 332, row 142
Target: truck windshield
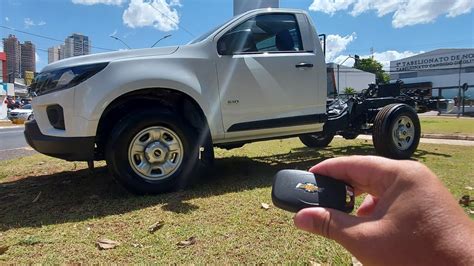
column 207, row 34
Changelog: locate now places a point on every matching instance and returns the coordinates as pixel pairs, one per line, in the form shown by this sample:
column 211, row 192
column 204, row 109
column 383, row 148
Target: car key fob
column 294, row 190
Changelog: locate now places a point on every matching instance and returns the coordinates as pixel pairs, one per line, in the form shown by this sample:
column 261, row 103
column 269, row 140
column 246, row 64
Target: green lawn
column 443, row 125
column 76, row 208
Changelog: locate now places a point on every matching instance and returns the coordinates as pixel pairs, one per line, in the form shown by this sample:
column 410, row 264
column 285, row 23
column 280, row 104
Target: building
column 54, row 54
column 11, row 47
column 241, row 6
column 28, row 58
column 76, row 45
column 441, row 71
column 3, row 67
column 62, row 50
column 347, row 77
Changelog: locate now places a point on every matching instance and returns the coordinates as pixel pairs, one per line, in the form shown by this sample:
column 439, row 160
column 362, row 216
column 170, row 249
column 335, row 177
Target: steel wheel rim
column 403, row 133
column 155, row 153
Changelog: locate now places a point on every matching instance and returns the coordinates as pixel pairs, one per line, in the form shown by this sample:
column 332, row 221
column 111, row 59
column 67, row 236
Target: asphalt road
column 13, row 143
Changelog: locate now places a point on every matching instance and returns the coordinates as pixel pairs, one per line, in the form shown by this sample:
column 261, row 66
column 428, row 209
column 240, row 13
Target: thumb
column 330, row 223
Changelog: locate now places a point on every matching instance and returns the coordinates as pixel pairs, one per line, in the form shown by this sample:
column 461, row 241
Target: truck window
column 264, row 33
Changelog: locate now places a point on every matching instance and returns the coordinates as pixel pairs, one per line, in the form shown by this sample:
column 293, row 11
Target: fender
column 153, row 72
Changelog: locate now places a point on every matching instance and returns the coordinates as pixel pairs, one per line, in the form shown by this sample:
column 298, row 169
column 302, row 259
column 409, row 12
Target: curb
column 12, row 127
column 443, row 136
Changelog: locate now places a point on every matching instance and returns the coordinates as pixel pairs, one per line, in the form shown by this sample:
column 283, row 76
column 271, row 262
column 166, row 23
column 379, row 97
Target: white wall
column 358, row 80
column 444, row 80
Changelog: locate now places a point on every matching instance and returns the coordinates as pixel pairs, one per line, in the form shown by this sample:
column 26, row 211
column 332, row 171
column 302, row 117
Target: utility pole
column 164, row 37
column 120, row 40
column 338, row 69
column 460, row 100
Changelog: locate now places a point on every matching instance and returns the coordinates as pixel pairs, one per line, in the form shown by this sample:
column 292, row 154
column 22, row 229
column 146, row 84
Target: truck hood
column 108, row 57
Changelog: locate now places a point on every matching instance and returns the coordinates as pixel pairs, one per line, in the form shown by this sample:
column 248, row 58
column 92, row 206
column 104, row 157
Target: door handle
column 304, row 65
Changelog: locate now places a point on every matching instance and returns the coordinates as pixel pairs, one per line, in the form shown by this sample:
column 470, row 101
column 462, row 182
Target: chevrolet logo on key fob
column 294, row 190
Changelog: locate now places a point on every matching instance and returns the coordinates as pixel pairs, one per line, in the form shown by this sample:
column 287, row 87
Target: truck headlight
column 65, row 78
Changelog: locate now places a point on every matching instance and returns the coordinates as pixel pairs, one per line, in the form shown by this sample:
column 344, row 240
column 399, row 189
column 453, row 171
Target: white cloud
column 95, row 2
column 405, row 12
column 37, row 58
column 28, row 22
column 7, row 19
column 330, row 6
column 383, row 57
column 160, row 14
column 336, row 44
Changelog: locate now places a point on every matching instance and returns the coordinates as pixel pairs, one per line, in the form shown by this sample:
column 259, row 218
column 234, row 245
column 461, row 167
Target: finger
column 365, row 173
column 367, row 206
column 329, row 223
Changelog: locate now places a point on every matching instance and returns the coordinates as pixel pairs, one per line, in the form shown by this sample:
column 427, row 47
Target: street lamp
column 164, row 37
column 120, row 40
column 338, row 69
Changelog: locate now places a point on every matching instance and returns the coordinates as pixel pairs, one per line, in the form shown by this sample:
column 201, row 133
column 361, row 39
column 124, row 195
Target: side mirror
column 222, row 47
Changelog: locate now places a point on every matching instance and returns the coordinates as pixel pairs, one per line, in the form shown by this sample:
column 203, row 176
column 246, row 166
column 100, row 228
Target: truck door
column 269, row 81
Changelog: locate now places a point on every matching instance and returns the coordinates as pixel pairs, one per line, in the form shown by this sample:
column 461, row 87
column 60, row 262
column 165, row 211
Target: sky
column 388, row 29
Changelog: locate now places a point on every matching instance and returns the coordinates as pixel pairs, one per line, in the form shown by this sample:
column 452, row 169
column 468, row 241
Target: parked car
column 22, row 114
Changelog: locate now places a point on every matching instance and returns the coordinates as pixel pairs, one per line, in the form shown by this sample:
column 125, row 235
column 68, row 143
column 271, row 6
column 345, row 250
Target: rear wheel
column 317, row 140
column 396, row 131
column 153, row 151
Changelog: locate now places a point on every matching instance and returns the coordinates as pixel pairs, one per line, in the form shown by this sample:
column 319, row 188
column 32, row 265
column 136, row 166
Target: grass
column 443, row 125
column 77, row 207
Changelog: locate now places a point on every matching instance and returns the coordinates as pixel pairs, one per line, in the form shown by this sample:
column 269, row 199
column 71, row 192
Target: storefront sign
column 442, row 60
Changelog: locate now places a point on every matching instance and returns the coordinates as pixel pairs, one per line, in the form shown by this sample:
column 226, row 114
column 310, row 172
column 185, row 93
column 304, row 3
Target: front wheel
column 152, row 152
column 317, row 140
column 396, row 131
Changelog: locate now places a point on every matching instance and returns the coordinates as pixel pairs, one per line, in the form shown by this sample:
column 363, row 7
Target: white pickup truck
column 155, row 114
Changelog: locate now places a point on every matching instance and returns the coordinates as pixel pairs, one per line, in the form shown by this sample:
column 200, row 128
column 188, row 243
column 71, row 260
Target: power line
column 48, row 38
column 172, row 20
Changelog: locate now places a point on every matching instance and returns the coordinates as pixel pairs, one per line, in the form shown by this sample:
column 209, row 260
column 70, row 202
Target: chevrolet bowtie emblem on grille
column 309, row 187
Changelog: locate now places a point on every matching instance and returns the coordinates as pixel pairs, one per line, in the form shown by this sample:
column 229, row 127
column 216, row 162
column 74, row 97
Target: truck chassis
column 385, row 111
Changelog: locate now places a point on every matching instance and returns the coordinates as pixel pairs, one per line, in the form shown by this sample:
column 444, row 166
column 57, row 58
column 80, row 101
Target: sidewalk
column 454, row 142
column 447, row 136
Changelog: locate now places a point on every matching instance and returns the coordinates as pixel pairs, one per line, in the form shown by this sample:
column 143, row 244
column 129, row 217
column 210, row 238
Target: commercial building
column 241, row 6
column 28, row 58
column 3, row 67
column 442, row 71
column 11, row 47
column 76, row 45
column 54, row 54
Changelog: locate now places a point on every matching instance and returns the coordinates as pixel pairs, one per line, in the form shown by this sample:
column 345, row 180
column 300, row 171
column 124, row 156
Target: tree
column 373, row 66
column 349, row 90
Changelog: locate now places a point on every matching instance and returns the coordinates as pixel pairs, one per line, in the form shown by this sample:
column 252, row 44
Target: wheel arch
column 167, row 98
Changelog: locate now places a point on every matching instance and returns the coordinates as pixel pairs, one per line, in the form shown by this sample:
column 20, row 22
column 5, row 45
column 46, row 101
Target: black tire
column 31, row 117
column 396, row 132
column 123, row 165
column 317, row 140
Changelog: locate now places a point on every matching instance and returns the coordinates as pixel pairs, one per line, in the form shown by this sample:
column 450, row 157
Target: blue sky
column 393, row 28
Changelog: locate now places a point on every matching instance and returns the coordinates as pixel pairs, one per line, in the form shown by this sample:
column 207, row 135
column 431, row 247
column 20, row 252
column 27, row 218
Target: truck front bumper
column 66, row 148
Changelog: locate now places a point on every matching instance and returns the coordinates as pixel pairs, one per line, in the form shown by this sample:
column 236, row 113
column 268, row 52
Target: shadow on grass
column 75, row 196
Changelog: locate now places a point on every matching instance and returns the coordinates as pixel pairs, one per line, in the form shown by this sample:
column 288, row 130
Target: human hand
column 408, row 216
